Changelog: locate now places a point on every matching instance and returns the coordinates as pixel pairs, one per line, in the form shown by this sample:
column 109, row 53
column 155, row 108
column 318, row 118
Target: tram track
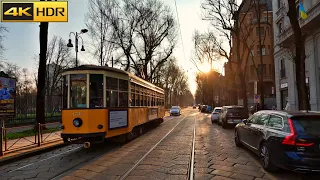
column 192, row 152
column 80, row 164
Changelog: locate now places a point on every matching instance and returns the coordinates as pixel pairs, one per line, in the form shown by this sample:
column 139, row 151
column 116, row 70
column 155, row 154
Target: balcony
column 308, row 26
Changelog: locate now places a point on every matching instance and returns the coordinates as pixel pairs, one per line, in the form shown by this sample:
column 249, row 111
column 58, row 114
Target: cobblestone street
column 161, row 153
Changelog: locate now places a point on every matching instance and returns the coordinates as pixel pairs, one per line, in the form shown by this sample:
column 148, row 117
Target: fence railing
column 38, row 135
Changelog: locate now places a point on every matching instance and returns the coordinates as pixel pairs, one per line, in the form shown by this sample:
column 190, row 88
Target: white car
column 175, row 110
column 215, row 114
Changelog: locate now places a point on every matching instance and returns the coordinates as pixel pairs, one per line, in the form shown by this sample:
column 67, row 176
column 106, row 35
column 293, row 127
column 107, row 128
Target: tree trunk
column 300, row 57
column 40, row 107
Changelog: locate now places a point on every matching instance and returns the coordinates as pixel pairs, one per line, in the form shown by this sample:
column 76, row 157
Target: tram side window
column 78, row 90
column 141, row 95
column 137, row 95
column 65, row 92
column 96, row 91
column 112, row 92
column 112, row 98
column 123, row 93
column 112, row 83
column 133, row 94
column 145, row 103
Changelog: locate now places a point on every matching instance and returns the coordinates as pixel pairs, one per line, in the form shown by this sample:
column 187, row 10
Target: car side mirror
column 245, row 121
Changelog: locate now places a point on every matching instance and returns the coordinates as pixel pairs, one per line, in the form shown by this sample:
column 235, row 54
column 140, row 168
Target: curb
column 30, row 152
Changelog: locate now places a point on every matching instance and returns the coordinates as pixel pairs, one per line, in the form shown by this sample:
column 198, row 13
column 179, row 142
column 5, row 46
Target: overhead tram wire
column 184, row 54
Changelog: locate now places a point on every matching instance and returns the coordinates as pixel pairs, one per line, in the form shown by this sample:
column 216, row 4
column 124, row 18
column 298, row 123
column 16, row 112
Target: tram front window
column 78, row 90
column 96, row 91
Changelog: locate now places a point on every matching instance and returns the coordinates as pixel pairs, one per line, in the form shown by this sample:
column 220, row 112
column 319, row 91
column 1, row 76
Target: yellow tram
column 102, row 102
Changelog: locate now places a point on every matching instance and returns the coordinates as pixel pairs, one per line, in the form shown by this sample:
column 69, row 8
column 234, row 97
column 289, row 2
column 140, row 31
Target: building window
column 282, row 69
column 279, row 4
column 260, row 32
column 280, row 28
column 263, row 50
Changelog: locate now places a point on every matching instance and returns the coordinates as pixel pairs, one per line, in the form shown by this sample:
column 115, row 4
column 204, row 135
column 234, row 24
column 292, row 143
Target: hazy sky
column 22, row 41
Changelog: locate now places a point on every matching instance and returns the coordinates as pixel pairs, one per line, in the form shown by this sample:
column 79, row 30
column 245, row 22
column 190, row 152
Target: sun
column 205, row 67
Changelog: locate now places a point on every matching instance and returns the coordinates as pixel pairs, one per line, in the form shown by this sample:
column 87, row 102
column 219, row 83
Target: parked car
column 289, row 140
column 209, row 109
column 215, row 114
column 194, row 106
column 232, row 115
column 204, row 108
column 175, row 110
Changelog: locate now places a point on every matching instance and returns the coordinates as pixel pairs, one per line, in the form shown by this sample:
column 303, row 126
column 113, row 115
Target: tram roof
column 105, row 68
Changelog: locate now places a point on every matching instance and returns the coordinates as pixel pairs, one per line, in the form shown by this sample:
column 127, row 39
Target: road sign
column 256, row 98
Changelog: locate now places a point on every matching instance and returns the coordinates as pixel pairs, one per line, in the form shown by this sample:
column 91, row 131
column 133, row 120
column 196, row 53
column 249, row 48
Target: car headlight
column 77, row 122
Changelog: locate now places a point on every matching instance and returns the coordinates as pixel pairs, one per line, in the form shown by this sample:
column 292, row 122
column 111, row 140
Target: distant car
column 209, row 109
column 175, row 110
column 194, row 107
column 282, row 139
column 204, row 108
column 215, row 114
column 232, row 115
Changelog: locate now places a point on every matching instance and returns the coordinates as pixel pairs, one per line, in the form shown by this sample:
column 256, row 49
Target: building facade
column 252, row 54
column 286, row 89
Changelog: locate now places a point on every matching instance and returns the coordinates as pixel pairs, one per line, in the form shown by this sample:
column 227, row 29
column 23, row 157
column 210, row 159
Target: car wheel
column 212, row 121
column 265, row 159
column 65, row 140
column 237, row 139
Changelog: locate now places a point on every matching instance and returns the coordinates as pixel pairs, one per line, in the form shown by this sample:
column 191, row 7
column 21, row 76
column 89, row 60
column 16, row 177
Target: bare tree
column 300, row 56
column 3, row 30
column 58, row 59
column 205, row 48
column 143, row 33
column 224, row 15
column 100, row 31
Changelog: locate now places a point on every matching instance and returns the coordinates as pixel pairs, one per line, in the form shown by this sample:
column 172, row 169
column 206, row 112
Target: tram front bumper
column 88, row 137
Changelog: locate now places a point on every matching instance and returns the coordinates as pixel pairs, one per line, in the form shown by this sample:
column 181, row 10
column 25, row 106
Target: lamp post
column 77, row 36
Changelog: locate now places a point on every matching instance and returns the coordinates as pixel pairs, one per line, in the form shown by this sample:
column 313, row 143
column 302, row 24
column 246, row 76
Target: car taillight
column 229, row 114
column 291, row 139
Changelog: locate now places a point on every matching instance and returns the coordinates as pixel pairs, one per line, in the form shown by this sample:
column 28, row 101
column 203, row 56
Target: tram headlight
column 77, row 122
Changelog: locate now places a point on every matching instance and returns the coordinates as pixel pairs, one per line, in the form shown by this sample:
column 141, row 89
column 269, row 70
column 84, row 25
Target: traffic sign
column 256, row 98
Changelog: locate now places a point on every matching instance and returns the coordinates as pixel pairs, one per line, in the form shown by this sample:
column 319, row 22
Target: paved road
column 216, row 157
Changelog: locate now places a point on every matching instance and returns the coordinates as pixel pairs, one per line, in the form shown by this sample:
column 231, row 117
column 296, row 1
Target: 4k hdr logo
column 34, row 12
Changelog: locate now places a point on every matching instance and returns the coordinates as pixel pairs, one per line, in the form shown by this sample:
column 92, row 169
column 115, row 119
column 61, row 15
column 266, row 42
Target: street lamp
column 77, row 36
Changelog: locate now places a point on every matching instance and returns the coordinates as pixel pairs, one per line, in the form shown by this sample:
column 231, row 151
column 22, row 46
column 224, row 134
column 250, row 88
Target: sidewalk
column 18, row 148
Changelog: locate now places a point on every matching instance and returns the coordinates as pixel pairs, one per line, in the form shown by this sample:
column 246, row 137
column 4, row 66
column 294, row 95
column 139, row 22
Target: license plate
column 236, row 120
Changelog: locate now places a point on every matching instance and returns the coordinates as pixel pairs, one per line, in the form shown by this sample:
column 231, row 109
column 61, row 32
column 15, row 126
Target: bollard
column 39, row 132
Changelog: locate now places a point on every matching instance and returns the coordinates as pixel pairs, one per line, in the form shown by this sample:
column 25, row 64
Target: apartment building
column 250, row 51
column 284, row 53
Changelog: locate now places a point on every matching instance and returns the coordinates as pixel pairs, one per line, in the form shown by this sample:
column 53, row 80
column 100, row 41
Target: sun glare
column 205, row 67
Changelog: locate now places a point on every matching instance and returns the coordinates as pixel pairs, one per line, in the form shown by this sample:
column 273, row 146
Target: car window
column 307, row 125
column 237, row 111
column 254, row 119
column 261, row 119
column 275, row 122
column 217, row 110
